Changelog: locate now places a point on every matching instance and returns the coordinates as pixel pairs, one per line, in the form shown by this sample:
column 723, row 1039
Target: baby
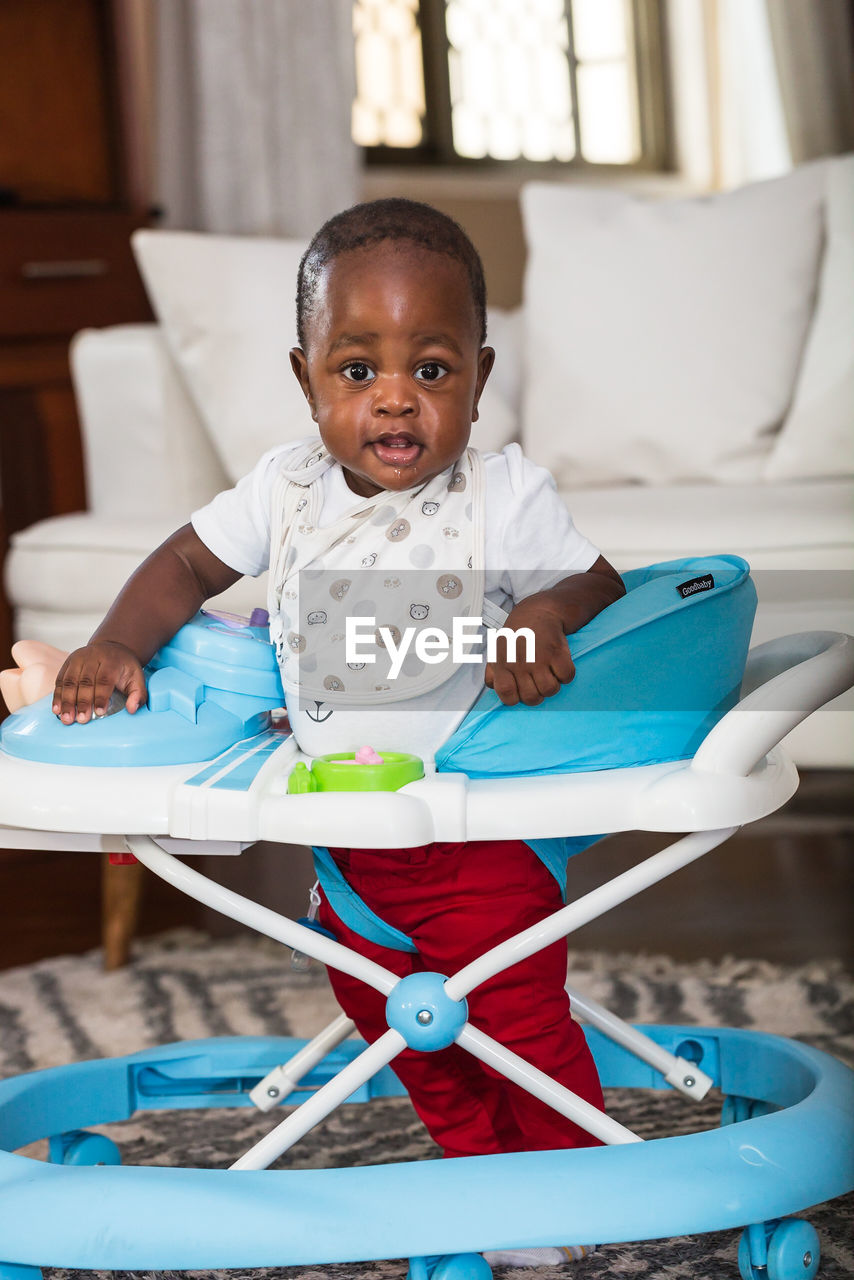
column 391, row 319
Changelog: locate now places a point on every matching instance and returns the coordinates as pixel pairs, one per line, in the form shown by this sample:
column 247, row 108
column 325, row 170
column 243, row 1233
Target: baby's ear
column 299, row 364
column 485, row 361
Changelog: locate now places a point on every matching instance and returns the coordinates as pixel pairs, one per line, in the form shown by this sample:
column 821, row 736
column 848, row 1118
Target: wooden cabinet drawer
column 61, row 271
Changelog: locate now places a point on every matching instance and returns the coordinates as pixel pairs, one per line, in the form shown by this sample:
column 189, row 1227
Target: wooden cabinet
column 73, row 166
column 72, row 189
column 60, row 102
column 61, row 270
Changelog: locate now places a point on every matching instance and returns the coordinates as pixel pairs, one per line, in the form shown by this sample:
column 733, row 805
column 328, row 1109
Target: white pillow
column 817, row 439
column 139, row 422
column 663, row 338
column 226, row 304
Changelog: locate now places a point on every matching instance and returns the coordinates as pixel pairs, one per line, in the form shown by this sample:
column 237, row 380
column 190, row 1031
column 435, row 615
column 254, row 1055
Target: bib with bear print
column 411, row 559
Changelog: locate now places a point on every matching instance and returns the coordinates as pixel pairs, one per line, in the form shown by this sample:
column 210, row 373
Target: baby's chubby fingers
column 501, row 679
column 525, row 684
column 74, row 694
column 539, row 674
column 529, row 691
column 561, row 665
column 135, row 693
column 88, row 678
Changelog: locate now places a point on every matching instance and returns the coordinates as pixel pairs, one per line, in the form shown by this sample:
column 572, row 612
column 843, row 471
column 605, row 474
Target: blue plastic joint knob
column 424, row 1015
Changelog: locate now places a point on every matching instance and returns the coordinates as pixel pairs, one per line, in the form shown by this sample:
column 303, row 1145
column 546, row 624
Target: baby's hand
column 532, row 682
column 88, row 677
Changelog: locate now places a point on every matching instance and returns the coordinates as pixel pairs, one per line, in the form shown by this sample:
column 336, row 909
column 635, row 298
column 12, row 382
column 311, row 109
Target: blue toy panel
column 654, row 672
column 213, row 685
column 170, row 1218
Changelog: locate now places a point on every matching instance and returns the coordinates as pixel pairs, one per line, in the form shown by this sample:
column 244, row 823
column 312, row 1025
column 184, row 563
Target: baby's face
column 393, row 368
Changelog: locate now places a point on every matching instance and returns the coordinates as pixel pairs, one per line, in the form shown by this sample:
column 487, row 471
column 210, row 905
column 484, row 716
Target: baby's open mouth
column 397, row 449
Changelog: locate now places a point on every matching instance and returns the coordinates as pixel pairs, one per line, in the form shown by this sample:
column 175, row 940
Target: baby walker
column 657, row 740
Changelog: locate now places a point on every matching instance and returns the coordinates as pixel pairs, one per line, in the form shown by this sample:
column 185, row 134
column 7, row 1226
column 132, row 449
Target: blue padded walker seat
column 653, row 673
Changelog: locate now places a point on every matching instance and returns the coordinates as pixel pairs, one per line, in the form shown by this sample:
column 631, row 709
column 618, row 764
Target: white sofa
column 685, row 368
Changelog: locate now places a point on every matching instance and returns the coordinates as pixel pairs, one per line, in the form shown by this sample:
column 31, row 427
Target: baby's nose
column 394, row 396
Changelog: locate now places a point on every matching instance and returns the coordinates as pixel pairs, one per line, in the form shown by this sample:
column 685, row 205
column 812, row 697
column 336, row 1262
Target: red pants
column 456, row 901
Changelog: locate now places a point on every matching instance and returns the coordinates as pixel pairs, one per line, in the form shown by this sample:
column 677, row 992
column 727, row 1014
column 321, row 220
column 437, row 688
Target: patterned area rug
column 183, row 986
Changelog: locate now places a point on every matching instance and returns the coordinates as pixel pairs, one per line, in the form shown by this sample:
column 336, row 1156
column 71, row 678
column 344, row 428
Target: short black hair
column 394, row 218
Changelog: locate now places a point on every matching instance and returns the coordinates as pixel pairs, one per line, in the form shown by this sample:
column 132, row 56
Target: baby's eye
column 358, row 371
column 430, row 371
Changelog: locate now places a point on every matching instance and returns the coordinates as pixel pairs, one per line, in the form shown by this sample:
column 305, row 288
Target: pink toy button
column 367, row 755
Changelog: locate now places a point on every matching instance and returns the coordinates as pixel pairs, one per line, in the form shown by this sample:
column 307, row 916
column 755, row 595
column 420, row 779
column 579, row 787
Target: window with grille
column 572, row 81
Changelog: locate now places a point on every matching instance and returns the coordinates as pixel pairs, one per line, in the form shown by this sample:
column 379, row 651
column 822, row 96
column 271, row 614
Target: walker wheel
column 90, row 1149
column 793, row 1250
column 746, row 1269
column 462, row 1266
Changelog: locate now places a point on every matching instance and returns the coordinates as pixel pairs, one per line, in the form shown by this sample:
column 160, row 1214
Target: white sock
column 547, row 1256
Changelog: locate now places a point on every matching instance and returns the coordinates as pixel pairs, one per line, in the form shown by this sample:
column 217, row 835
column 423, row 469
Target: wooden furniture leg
column 121, row 895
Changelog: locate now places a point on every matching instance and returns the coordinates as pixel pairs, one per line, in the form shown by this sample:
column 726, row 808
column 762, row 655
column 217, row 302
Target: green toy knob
column 301, row 780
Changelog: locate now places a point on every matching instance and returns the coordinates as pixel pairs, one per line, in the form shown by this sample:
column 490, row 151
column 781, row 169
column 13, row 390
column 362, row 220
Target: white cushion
column 79, row 563
column 63, row 630
column 227, row 310
column 787, row 526
column 817, row 438
column 147, row 452
column 663, row 338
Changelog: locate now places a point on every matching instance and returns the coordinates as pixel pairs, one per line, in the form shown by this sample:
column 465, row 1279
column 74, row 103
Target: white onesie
column 529, row 544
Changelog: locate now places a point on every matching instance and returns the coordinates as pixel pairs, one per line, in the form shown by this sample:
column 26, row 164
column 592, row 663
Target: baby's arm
column 165, row 592
column 551, row 615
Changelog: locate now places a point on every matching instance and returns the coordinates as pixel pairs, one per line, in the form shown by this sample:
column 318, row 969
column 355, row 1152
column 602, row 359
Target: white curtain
column 253, row 102
column 814, row 49
column 729, row 123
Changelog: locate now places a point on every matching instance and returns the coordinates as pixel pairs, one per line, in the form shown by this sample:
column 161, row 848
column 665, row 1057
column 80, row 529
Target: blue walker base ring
column 750, row 1171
